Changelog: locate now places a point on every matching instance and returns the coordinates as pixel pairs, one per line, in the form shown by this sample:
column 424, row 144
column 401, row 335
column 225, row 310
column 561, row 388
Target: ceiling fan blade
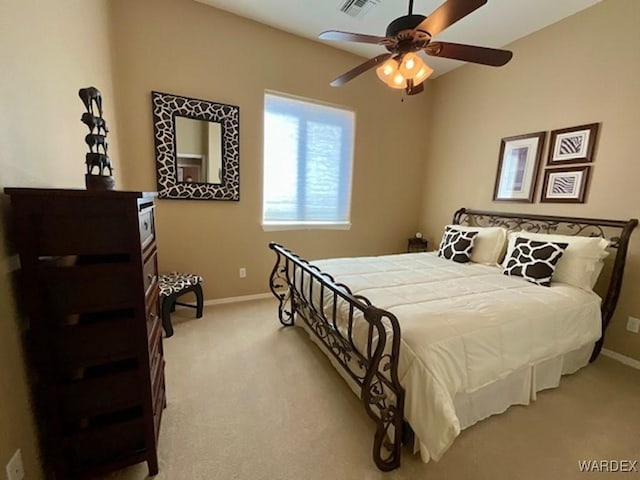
column 447, row 14
column 363, row 67
column 469, row 53
column 351, row 37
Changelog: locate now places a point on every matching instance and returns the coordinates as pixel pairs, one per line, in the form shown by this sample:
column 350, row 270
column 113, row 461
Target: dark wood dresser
column 94, row 342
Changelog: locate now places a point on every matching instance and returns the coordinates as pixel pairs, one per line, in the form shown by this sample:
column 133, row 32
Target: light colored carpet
column 250, row 400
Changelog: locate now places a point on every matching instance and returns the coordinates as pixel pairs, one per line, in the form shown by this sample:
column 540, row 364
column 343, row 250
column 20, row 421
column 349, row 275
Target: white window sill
column 270, row 227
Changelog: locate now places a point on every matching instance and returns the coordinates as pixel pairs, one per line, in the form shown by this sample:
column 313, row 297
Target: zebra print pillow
column 456, row 245
column 534, row 261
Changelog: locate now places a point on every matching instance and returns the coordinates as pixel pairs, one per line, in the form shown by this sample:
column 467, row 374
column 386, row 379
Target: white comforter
column 463, row 327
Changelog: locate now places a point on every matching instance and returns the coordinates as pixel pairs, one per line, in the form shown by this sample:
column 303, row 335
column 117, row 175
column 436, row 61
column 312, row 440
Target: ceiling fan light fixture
column 402, row 66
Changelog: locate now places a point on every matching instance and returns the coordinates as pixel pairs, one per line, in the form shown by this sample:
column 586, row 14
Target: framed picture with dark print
column 572, row 145
column 518, row 164
column 565, row 185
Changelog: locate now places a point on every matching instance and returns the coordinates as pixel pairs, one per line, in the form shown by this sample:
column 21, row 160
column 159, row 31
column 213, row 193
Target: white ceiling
column 495, row 24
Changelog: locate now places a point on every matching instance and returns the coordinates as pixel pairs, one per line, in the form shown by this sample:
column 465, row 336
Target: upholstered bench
column 174, row 285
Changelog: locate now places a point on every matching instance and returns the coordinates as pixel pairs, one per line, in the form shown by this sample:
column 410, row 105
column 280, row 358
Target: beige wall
column 187, row 48
column 49, row 50
column 583, row 69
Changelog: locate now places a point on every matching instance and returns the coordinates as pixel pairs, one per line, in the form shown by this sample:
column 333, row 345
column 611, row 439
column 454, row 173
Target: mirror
column 198, row 151
column 197, row 148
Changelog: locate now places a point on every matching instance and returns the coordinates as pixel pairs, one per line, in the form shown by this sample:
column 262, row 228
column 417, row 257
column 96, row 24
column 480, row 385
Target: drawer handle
column 146, row 225
column 149, row 276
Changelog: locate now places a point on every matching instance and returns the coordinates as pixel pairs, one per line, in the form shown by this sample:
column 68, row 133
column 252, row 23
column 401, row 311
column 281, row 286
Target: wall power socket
column 633, row 325
column 15, row 469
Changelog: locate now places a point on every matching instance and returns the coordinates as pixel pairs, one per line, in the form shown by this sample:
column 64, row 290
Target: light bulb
column 398, row 81
column 387, row 69
column 411, row 65
column 422, row 74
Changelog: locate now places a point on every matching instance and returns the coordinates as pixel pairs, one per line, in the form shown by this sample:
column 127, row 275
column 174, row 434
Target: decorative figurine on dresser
column 94, row 343
column 97, row 141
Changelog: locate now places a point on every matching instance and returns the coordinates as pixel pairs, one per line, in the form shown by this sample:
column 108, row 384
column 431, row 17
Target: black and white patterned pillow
column 456, row 245
column 534, row 261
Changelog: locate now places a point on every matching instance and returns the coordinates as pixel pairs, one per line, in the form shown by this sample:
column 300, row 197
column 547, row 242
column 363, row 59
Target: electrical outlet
column 633, row 325
column 243, row 272
column 15, row 469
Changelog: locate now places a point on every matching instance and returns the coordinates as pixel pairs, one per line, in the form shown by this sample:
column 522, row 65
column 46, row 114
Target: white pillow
column 581, row 262
column 488, row 245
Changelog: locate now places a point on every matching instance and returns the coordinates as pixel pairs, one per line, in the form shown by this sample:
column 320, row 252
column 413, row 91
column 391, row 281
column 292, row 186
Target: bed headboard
column 617, row 232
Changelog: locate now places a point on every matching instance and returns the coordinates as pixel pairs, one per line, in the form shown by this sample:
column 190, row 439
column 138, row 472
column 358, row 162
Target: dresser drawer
column 105, row 443
column 155, row 349
column 85, row 288
column 95, row 343
column 158, row 389
column 153, row 307
column 147, row 227
column 150, row 273
column 100, row 395
column 159, row 405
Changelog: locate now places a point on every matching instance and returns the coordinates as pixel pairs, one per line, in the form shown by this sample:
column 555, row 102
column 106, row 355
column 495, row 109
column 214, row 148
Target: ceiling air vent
column 358, row 8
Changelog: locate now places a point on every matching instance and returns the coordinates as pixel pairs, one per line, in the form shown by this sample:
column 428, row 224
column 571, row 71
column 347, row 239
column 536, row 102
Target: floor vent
column 358, row 8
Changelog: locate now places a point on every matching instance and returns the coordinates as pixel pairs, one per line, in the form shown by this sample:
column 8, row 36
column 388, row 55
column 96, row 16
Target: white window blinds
column 308, row 150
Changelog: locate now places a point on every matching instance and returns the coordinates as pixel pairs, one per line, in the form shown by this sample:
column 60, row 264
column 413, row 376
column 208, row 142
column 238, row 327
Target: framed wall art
column 572, row 145
column 565, row 185
column 518, row 164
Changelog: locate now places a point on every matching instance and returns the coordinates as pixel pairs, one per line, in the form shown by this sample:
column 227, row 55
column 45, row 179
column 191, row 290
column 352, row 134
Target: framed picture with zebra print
column 572, row 145
column 565, row 185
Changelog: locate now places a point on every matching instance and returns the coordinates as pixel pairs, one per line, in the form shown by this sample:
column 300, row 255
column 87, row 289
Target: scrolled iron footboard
column 331, row 311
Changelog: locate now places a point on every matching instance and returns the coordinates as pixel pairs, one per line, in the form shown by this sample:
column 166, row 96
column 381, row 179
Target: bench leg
column 167, row 307
column 199, row 300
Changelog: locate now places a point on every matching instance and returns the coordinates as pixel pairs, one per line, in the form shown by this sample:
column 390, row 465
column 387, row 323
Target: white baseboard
column 243, row 298
column 632, row 362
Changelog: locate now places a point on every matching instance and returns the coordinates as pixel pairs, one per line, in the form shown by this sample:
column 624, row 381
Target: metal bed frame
column 374, row 369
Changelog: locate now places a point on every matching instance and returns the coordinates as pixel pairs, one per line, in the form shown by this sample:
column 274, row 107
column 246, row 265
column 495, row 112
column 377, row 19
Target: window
column 308, row 151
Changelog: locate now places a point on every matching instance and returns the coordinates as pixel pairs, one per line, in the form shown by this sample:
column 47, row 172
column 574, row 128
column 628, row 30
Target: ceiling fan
column 401, row 67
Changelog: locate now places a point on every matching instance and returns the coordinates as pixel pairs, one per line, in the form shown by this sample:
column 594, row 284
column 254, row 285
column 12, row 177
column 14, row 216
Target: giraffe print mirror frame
column 173, row 183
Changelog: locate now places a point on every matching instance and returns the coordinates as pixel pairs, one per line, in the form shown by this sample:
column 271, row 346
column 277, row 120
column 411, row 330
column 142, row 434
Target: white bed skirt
column 518, row 388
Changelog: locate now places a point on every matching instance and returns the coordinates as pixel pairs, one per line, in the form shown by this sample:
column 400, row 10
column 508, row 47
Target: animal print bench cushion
column 175, row 282
column 456, row 245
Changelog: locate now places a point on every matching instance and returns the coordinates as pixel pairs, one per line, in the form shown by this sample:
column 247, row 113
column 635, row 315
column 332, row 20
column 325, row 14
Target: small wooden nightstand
column 417, row 245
